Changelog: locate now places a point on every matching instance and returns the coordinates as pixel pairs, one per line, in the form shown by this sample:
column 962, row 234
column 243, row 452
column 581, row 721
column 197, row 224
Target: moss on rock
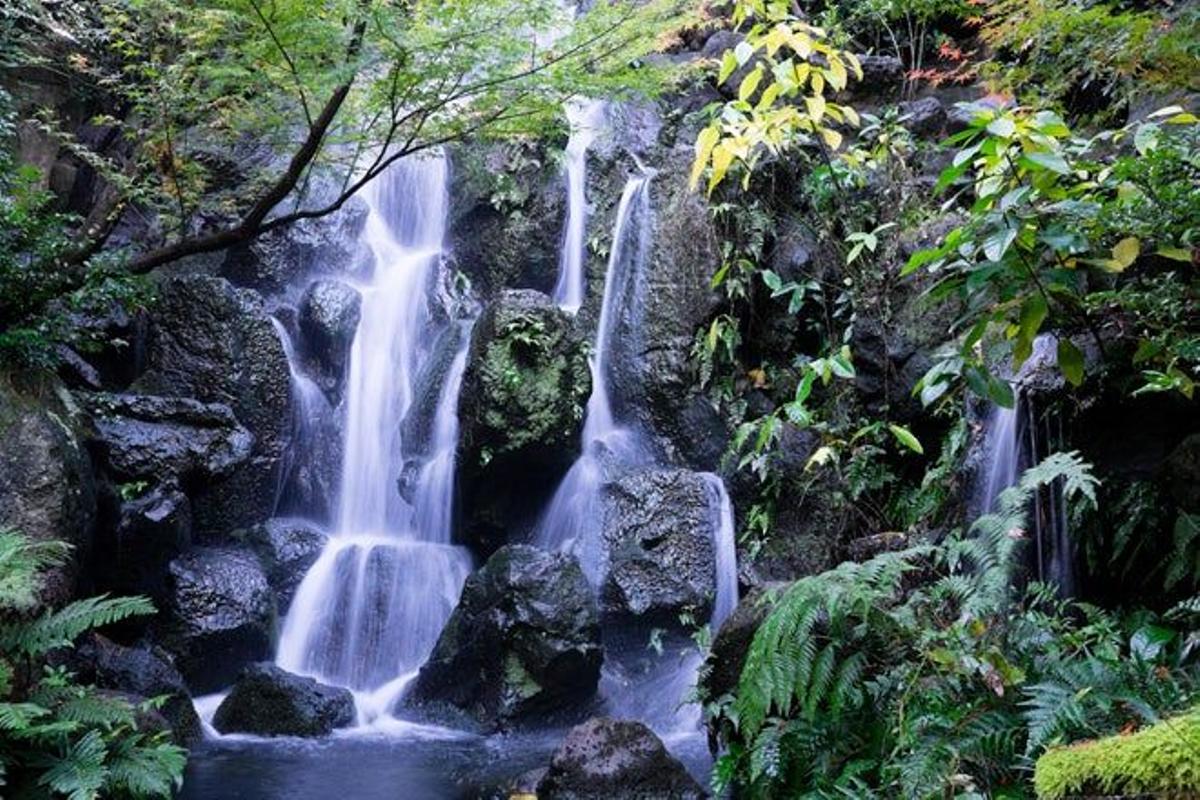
column 1162, row 760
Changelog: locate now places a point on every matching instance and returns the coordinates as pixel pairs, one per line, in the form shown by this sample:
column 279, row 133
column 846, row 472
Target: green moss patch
column 1162, row 760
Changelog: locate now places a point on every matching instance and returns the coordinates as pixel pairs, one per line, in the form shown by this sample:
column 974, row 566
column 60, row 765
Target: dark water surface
column 380, row 767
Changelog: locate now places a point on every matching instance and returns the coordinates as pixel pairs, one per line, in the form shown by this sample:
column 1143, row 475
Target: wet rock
column 605, row 758
column 168, row 438
column 520, row 411
column 279, row 258
column 507, row 217
column 219, row 616
column 150, row 530
column 47, row 489
column 268, row 701
column 328, row 318
column 522, row 645
column 882, row 75
column 287, row 548
column 143, row 671
column 926, row 117
column 652, row 376
column 658, row 525
column 215, row 343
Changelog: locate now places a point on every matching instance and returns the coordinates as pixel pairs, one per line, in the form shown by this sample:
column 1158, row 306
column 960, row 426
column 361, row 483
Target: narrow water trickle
column 585, row 118
column 369, row 611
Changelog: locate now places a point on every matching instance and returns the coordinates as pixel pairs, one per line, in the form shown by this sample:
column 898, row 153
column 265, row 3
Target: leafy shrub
column 927, row 672
column 57, row 737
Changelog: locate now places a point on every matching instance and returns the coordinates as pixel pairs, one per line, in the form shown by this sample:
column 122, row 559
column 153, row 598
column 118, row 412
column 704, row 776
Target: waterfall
column 1015, row 440
column 312, row 416
column 369, row 611
column 571, row 520
column 585, row 117
column 724, row 550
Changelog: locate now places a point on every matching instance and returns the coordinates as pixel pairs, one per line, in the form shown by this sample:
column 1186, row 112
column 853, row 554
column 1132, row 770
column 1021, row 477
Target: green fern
column 58, row 738
column 928, row 673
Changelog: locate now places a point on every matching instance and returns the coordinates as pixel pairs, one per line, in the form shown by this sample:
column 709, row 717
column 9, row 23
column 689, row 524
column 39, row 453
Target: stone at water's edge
column 269, row 701
column 605, row 758
column 215, row 343
column 521, row 410
column 659, row 531
column 522, row 645
column 47, row 490
column 219, row 617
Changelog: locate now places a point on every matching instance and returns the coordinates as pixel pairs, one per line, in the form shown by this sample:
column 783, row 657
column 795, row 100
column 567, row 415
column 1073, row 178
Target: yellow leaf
column 816, row 107
column 802, row 43
column 802, row 72
column 1126, row 252
column 722, row 158
column 818, row 82
column 851, row 116
column 705, row 143
column 855, row 64
column 837, row 73
column 769, row 95
column 1175, row 253
column 832, row 138
column 750, row 83
column 822, row 456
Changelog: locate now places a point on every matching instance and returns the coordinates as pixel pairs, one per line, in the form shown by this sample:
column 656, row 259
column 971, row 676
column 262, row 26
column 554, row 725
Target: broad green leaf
column 1125, row 252
column 1051, row 161
column 1175, row 253
column 1003, row 126
column 705, row 143
column 1070, row 362
column 729, row 64
column 750, row 84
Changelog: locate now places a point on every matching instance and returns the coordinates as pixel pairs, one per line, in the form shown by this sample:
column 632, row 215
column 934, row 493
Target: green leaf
column 1070, row 362
column 1002, row 126
column 906, row 438
column 1125, row 252
column 1051, row 161
column 729, row 64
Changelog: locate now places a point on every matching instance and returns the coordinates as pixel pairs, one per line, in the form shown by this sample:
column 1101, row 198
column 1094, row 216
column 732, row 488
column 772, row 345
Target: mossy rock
column 520, row 410
column 1162, row 761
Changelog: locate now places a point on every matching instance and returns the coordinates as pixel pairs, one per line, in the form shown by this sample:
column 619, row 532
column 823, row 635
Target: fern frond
column 21, row 562
column 59, row 628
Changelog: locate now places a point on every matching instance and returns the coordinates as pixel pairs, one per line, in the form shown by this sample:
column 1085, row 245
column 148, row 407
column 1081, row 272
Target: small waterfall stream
column 1016, row 439
column 585, row 118
column 369, row 611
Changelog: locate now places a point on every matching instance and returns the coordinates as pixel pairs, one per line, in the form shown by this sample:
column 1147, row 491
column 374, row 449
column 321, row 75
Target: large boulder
column 145, row 532
column 269, row 701
column 215, row 343
column 328, row 319
column 143, row 671
column 507, row 216
column 287, row 548
column 143, row 437
column 605, row 758
column 220, row 615
column 47, row 489
column 521, row 409
column 523, row 643
column 659, row 526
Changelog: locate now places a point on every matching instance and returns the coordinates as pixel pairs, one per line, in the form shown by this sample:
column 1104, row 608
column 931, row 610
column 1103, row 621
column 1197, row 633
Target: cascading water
column 570, row 522
column 312, row 418
column 585, row 118
column 369, row 611
column 653, row 691
column 1015, row 440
